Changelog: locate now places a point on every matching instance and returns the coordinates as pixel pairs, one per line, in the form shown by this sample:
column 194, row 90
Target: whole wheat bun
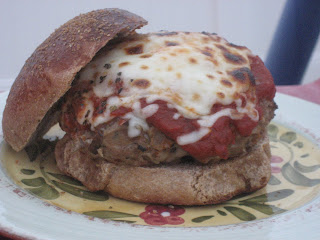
column 47, row 75
column 179, row 184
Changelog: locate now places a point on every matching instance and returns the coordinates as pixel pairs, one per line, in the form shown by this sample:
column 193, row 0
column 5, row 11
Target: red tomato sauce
column 265, row 88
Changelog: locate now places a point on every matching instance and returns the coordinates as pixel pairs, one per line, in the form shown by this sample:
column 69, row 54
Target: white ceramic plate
column 23, row 215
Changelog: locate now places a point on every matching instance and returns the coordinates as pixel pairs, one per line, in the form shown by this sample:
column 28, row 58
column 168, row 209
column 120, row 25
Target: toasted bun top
column 47, row 75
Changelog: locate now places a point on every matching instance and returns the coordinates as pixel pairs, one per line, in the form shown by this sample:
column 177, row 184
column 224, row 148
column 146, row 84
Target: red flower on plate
column 161, row 215
column 274, row 161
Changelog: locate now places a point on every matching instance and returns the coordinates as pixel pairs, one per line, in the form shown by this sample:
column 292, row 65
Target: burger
column 165, row 117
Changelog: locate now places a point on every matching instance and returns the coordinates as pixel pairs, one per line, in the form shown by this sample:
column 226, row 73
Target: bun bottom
column 179, row 184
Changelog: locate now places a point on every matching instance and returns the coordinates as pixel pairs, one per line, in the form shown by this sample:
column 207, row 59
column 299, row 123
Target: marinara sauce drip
column 265, row 88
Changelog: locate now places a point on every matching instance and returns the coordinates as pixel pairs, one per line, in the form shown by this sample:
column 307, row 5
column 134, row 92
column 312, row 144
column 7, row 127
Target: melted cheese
column 193, row 136
column 190, row 71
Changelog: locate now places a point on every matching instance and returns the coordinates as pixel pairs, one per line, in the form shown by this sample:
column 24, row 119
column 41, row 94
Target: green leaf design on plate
column 222, row 213
column 295, row 177
column 46, row 191
column 27, row 171
column 273, row 130
column 124, row 221
column 298, row 144
column 95, row 196
column 305, row 155
column 201, row 219
column 269, row 197
column 104, row 214
column 34, row 182
column 305, row 169
column 264, row 208
column 240, row 213
column 66, row 179
column 288, row 137
column 274, row 181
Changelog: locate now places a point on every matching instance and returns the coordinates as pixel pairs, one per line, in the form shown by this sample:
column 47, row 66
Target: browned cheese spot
column 210, row 76
column 219, row 72
column 231, row 57
column 124, row 64
column 205, row 52
column 164, row 58
column 170, row 44
column 146, row 56
column 196, row 97
column 107, row 66
column 178, row 75
column 102, row 78
column 93, row 65
column 213, row 60
column 236, row 46
column 176, row 98
column 144, row 67
column 226, row 83
column 193, row 61
column 243, row 75
column 134, row 50
column 141, row 83
column 220, row 95
column 110, row 82
column 234, row 58
column 207, row 33
column 205, row 40
column 236, row 95
column 96, row 74
column 223, row 48
column 164, row 33
column 169, row 68
column 173, row 54
column 199, row 81
column 191, row 109
column 183, row 50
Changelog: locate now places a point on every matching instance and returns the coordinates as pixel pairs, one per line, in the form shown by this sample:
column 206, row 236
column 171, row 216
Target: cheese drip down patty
column 186, row 73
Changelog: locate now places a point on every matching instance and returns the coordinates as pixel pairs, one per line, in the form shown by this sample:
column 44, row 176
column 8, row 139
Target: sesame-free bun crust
column 47, row 75
column 180, row 184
